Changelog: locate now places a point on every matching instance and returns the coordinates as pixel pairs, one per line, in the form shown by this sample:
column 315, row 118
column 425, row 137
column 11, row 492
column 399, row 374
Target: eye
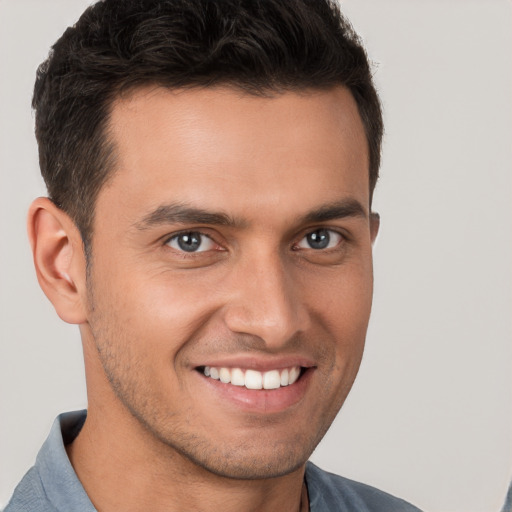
column 320, row 239
column 191, row 241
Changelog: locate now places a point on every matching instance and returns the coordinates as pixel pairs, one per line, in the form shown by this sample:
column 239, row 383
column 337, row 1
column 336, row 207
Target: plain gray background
column 430, row 416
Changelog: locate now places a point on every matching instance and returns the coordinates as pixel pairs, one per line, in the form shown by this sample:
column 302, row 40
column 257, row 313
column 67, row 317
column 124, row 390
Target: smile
column 253, row 379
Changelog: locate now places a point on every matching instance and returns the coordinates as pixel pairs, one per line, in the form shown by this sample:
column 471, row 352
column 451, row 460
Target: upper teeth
column 253, row 379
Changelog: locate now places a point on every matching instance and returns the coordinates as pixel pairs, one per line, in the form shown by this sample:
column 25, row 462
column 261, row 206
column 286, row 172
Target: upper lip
column 257, row 362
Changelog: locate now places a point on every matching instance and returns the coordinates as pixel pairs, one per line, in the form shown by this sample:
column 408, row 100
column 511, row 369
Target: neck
column 123, row 467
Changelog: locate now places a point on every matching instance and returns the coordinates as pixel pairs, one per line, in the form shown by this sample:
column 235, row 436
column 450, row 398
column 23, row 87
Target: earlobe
column 374, row 225
column 58, row 259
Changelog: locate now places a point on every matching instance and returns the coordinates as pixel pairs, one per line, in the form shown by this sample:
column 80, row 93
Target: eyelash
column 188, row 254
column 295, row 247
column 338, row 235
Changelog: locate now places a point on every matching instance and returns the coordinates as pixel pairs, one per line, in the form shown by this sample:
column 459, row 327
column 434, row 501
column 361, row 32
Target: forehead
column 221, row 147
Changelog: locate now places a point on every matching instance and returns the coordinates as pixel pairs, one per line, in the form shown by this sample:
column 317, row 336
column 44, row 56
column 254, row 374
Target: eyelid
column 336, row 232
column 200, row 231
column 220, row 247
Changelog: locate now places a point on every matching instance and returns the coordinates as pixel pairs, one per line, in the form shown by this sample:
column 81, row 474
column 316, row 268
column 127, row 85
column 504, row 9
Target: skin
column 159, row 435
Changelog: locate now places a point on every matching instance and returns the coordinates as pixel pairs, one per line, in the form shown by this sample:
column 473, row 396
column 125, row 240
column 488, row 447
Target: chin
column 253, row 468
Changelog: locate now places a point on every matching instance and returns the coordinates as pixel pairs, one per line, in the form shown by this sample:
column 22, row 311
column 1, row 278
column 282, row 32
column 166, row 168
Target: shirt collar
column 58, row 477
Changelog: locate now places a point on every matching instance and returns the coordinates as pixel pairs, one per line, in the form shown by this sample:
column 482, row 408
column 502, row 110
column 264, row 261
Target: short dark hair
column 259, row 46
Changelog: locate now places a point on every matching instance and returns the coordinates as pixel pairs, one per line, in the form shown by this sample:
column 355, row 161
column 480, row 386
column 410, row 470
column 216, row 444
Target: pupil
column 189, row 242
column 319, row 239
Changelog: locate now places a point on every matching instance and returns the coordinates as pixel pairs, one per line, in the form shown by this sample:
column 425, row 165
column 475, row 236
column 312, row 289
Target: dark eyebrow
column 177, row 213
column 336, row 210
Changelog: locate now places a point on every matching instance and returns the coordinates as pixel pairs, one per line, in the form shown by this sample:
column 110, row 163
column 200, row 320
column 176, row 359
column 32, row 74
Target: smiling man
column 210, row 168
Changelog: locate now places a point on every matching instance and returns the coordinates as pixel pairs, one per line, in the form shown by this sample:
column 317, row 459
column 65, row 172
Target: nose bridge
column 265, row 302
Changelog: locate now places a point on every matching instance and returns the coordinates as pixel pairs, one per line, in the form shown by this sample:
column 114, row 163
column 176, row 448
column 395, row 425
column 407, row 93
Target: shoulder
column 329, row 492
column 51, row 485
column 29, row 495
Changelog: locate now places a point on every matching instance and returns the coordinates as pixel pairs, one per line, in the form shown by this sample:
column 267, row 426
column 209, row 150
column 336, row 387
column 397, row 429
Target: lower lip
column 260, row 400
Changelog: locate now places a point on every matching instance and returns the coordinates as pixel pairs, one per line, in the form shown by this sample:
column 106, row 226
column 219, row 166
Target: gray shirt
column 51, row 485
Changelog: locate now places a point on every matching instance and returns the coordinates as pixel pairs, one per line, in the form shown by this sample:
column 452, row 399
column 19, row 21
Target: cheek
column 343, row 309
column 343, row 297
column 153, row 313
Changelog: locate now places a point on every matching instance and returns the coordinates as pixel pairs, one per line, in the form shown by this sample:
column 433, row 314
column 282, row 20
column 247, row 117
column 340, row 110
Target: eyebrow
column 337, row 210
column 178, row 213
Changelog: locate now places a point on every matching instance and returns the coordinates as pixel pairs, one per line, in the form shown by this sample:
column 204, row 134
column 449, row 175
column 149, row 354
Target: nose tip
column 266, row 304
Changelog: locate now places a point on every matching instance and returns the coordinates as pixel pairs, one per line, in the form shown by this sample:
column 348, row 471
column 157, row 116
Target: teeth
column 293, row 375
column 272, row 380
column 253, row 379
column 284, row 377
column 237, row 377
column 225, row 375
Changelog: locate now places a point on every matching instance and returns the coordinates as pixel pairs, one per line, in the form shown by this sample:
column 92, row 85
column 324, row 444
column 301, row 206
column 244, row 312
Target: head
column 262, row 48
column 217, row 161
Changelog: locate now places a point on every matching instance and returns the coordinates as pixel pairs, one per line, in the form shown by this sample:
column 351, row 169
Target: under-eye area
column 254, row 379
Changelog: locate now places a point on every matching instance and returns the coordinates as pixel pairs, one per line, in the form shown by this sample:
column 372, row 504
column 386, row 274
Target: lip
column 257, row 363
column 261, row 401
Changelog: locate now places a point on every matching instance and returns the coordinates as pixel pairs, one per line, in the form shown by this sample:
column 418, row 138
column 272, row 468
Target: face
column 231, row 276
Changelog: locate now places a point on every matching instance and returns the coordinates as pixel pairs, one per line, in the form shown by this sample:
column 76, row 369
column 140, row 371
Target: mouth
column 253, row 379
column 255, row 386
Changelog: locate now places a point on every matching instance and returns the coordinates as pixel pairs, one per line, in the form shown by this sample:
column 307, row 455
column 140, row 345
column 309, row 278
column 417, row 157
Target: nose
column 265, row 301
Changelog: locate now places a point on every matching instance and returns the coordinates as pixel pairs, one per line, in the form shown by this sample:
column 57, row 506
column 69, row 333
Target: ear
column 59, row 259
column 374, row 225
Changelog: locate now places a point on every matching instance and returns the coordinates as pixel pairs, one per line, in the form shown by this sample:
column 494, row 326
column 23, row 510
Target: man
column 210, row 169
